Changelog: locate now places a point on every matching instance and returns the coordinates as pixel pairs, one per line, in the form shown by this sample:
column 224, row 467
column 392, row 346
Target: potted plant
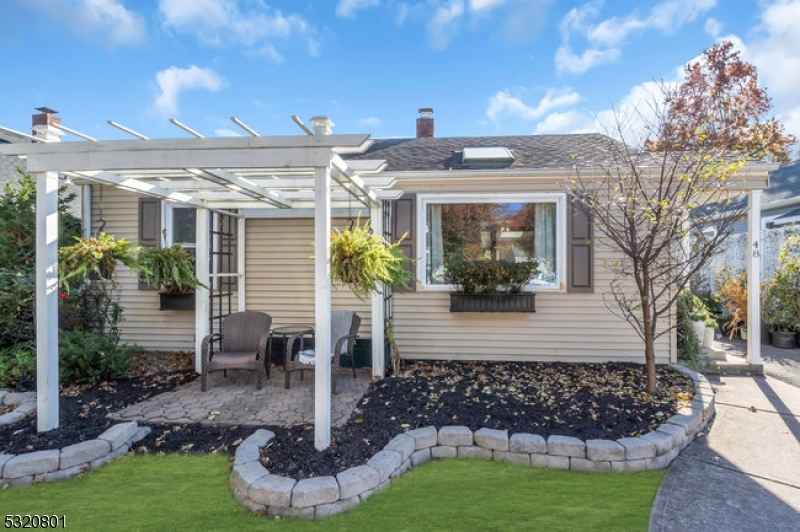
column 780, row 307
column 491, row 285
column 699, row 316
column 364, row 261
column 172, row 271
column 732, row 293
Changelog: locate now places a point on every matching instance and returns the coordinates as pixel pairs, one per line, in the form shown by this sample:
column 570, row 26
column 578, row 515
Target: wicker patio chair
column 243, row 344
column 344, row 330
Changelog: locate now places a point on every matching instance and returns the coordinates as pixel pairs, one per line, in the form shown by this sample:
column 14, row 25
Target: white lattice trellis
column 734, row 256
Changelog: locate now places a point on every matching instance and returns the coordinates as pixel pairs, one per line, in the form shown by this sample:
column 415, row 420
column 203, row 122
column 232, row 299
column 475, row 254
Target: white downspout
column 86, row 210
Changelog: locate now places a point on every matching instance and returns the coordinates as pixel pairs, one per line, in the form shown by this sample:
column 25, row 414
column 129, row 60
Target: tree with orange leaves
column 646, row 202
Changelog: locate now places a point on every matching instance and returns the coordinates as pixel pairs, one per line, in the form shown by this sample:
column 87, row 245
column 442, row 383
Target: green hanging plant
column 364, row 261
column 171, row 269
column 94, row 258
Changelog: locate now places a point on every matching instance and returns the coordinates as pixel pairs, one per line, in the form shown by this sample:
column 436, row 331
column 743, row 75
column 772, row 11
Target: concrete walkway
column 235, row 400
column 744, row 475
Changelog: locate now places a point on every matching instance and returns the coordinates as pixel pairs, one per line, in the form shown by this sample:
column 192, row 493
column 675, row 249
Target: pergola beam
column 237, row 184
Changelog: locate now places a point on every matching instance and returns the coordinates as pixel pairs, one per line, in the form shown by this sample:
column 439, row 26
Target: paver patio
column 235, row 400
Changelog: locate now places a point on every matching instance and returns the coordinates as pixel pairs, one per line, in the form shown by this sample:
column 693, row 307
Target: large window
column 513, row 228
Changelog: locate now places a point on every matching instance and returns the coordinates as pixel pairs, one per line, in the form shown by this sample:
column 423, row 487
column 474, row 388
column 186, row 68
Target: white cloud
column 773, row 50
column 713, row 27
column 175, row 80
column 372, row 121
column 631, row 119
column 503, row 104
column 108, row 18
column 348, row 8
column 567, row 61
column 603, row 39
column 222, row 22
column 443, row 23
column 485, row 5
column 565, row 122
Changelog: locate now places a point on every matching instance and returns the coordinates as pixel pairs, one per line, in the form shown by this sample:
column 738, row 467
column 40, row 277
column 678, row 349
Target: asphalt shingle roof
column 9, row 164
column 530, row 151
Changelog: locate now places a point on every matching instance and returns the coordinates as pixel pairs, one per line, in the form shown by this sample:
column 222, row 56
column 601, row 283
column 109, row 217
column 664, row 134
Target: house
column 41, row 128
column 252, row 206
column 9, row 164
column 780, row 217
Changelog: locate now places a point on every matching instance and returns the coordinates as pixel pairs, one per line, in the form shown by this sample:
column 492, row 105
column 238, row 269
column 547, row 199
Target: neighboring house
column 9, row 163
column 780, row 217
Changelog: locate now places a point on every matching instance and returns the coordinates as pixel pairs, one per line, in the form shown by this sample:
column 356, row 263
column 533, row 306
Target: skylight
column 487, row 154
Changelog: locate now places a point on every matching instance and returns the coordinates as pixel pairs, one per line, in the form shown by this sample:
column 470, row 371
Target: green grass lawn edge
column 162, row 492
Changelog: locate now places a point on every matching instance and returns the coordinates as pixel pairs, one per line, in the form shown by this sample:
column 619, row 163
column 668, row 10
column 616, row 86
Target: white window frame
column 168, row 229
column 560, row 200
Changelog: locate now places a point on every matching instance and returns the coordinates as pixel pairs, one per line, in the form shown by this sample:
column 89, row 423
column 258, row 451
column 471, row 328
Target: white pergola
column 212, row 175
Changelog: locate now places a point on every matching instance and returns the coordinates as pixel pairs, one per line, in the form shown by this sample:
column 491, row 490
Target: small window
column 180, row 227
column 516, row 229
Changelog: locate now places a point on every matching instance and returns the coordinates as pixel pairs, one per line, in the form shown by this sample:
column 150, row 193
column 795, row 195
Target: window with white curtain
column 516, row 228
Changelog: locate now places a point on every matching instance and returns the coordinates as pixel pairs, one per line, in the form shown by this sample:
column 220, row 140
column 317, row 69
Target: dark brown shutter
column 149, row 227
column 404, row 223
column 581, row 257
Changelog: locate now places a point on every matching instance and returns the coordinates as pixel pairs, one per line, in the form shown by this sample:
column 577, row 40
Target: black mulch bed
column 587, row 401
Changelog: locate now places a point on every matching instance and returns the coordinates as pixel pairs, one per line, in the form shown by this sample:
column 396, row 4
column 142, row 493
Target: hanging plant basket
column 460, row 302
column 364, row 261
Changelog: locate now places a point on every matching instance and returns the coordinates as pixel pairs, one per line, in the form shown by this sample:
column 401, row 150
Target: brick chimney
column 425, row 123
column 43, row 125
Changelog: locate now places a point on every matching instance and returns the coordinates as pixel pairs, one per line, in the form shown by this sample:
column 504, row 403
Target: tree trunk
column 649, row 332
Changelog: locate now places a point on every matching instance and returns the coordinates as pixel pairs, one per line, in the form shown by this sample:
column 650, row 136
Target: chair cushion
column 233, row 360
column 308, row 356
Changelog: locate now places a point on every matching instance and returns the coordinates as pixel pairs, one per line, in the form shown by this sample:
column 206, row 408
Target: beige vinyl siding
column 143, row 325
column 567, row 327
column 280, row 273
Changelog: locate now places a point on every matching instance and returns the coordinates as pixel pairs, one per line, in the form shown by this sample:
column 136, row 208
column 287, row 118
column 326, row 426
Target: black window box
column 492, row 302
column 180, row 301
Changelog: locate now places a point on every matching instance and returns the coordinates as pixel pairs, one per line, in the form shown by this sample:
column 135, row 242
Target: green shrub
column 17, row 363
column 92, row 357
column 17, row 301
column 490, row 276
column 688, row 311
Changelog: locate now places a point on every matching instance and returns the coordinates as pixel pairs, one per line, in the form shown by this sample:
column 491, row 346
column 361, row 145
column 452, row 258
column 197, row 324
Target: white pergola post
column 378, row 318
column 754, row 278
column 46, row 301
column 201, row 313
column 322, row 307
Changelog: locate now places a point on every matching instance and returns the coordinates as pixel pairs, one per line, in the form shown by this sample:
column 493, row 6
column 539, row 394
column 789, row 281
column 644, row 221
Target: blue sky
column 486, row 67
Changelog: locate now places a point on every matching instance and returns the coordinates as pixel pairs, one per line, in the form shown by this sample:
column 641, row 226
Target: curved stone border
column 264, row 493
column 26, row 405
column 49, row 466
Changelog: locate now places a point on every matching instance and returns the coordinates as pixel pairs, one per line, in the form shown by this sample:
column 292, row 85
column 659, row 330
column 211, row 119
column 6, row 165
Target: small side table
column 289, row 332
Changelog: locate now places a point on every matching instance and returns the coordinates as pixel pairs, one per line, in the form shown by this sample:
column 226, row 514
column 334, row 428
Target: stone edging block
column 25, row 406
column 266, row 494
column 71, row 461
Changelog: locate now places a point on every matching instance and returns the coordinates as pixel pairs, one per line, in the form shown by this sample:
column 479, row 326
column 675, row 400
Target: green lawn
column 190, row 492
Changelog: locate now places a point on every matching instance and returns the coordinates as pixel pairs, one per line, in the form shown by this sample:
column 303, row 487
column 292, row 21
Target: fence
column 734, row 256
